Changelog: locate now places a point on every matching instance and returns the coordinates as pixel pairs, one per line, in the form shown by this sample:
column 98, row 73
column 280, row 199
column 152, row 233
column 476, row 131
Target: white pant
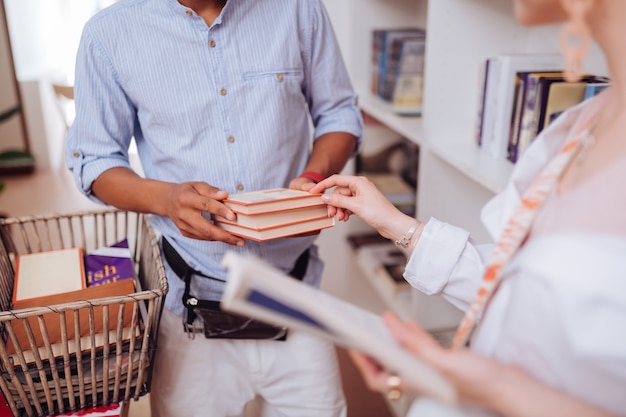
column 218, row 377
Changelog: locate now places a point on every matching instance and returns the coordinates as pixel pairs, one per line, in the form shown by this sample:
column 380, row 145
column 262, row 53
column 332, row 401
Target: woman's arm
column 479, row 380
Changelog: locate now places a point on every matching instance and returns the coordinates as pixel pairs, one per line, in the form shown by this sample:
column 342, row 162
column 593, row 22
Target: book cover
column 407, row 87
column 594, row 88
column 51, row 320
column 530, row 116
column 276, row 218
column 560, row 97
column 278, row 231
column 264, row 201
column 488, row 110
column 377, row 40
column 47, row 273
column 387, row 60
column 525, row 97
column 501, row 98
column 257, row 289
column 482, row 96
column 109, row 264
column 515, row 115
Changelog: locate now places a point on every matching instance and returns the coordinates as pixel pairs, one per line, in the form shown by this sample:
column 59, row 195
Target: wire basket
column 99, row 364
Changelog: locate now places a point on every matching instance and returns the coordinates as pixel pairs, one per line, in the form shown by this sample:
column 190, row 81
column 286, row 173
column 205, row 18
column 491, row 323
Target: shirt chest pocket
column 291, row 75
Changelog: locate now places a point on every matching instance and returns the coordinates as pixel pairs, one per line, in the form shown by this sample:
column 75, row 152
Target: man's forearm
column 331, row 152
column 124, row 189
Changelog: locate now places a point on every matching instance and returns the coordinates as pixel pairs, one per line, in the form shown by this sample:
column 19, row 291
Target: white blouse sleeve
column 446, row 262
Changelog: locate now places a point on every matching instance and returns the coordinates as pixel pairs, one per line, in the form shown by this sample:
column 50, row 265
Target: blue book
column 594, row 88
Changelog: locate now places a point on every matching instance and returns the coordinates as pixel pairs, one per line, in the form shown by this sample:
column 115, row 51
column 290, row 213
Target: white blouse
column 560, row 311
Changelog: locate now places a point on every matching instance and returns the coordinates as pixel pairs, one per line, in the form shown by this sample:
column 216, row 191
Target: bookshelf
column 460, row 35
column 453, row 171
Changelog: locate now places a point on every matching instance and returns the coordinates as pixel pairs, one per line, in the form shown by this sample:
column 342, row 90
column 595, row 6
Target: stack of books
column 62, row 276
column 275, row 213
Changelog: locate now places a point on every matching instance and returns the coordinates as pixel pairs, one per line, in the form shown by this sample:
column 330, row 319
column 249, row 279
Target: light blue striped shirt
column 231, row 105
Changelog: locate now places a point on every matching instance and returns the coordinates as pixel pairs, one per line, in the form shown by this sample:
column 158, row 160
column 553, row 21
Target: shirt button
column 188, row 12
column 231, row 139
column 239, row 187
column 212, row 43
column 356, row 101
column 223, row 91
column 76, row 154
column 279, row 76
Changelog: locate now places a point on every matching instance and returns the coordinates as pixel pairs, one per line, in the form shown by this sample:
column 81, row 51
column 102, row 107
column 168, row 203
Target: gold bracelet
column 404, row 241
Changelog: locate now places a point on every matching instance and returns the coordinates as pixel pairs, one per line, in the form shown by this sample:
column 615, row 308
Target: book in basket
column 256, row 289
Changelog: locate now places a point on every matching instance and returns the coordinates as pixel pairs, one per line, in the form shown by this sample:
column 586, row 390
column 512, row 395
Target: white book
column 47, row 273
column 256, row 289
column 501, row 98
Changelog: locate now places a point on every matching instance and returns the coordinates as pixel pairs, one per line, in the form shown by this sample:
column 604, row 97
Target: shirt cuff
column 435, row 256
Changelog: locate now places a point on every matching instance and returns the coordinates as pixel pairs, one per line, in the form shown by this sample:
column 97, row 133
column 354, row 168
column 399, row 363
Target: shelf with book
column 409, row 127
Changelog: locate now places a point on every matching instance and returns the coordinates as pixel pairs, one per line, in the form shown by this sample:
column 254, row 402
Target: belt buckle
column 190, row 329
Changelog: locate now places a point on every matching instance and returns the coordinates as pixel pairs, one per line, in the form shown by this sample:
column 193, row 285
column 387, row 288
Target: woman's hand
column 479, row 380
column 359, row 196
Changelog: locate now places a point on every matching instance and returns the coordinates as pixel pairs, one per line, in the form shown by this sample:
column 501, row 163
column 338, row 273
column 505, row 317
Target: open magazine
column 261, row 291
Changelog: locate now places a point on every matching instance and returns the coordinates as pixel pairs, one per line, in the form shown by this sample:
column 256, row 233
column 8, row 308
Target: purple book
column 109, row 264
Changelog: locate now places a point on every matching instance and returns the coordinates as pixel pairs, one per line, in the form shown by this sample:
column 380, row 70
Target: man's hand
column 186, row 204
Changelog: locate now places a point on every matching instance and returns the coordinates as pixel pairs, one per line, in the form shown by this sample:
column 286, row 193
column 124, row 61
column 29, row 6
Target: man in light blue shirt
column 220, row 98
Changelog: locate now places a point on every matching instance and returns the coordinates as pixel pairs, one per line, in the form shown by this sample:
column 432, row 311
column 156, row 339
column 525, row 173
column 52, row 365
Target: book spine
column 511, row 154
column 487, row 131
column 484, row 76
column 528, row 126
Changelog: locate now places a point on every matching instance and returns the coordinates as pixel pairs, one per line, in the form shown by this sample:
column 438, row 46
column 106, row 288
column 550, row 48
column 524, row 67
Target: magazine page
column 258, row 290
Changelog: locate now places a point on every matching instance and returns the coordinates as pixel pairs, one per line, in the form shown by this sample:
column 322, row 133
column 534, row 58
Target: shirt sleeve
column 332, row 101
column 447, row 262
column 103, row 128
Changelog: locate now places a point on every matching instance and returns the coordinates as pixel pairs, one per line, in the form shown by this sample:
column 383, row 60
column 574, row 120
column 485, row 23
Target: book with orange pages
column 275, row 199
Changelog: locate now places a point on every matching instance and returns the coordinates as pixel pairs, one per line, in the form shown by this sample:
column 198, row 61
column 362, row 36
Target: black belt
column 191, row 303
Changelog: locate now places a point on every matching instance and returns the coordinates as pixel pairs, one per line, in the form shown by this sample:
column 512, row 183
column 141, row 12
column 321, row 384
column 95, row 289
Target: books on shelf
column 395, row 189
column 500, row 91
column 519, row 95
column 264, row 201
column 408, row 84
column 547, row 95
column 384, row 264
column 48, row 273
column 387, row 45
column 258, row 290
